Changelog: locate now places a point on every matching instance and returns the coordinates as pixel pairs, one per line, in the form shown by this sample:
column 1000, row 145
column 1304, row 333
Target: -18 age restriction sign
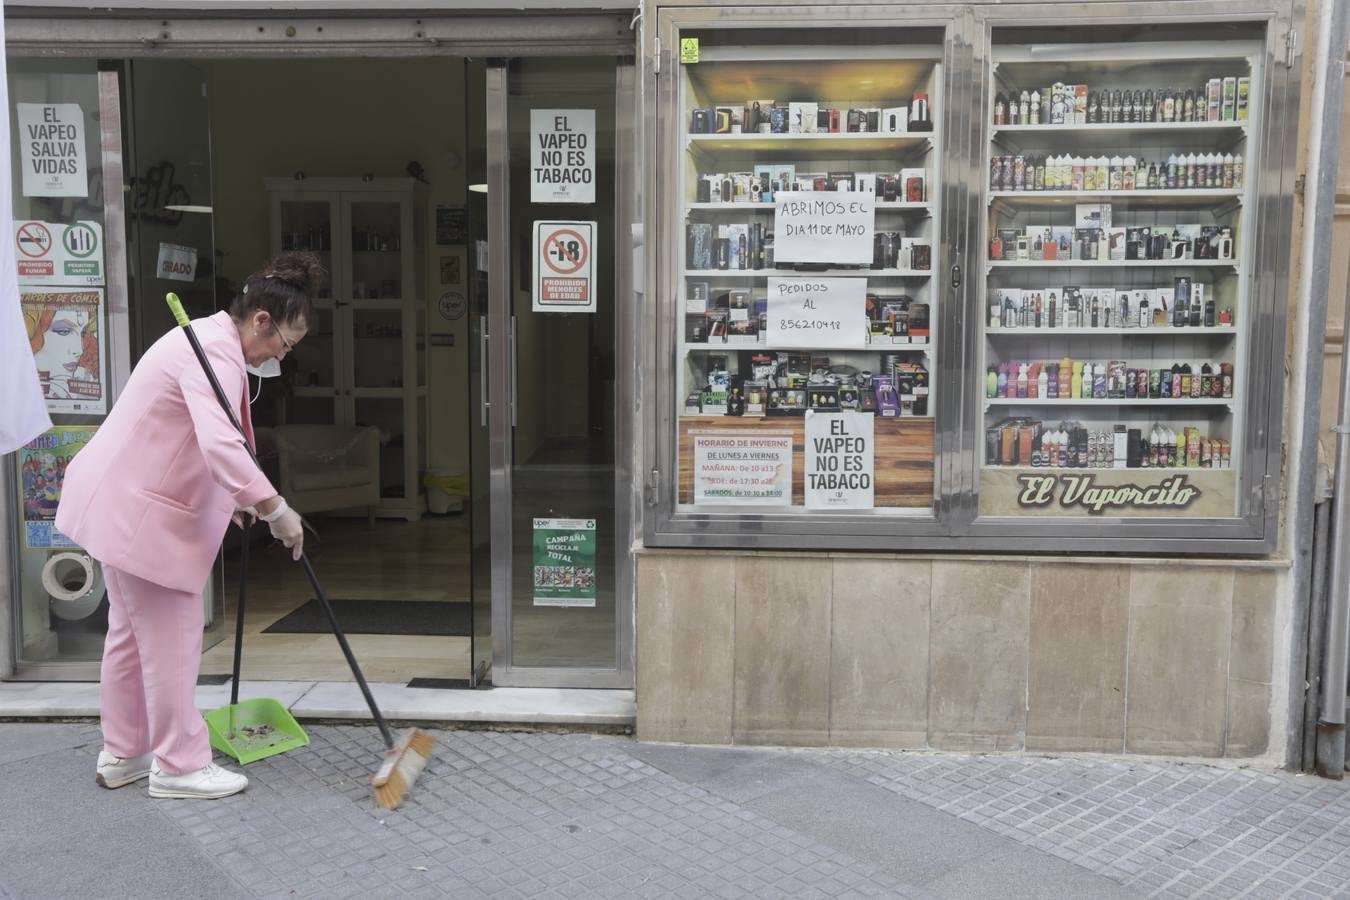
column 564, row 266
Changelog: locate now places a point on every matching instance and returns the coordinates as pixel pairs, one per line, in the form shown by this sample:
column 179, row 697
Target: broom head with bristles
column 402, row 764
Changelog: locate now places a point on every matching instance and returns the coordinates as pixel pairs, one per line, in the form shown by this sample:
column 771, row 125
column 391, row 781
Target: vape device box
column 849, row 396
column 786, row 402
column 1163, row 301
column 693, row 403
column 1229, row 99
column 1197, row 304
column 872, row 121
column 1244, row 86
column 913, row 180
column 701, row 121
column 722, row 119
column 696, row 329
column 808, row 124
column 756, row 398
column 1121, row 446
column 796, row 111
column 866, row 183
column 738, row 236
column 699, row 249
column 1008, row 237
column 919, row 327
column 888, row 402
column 1092, row 215
column 778, row 120
column 696, row 300
column 1115, row 241
column 823, row 120
column 1085, row 243
column 915, row 254
column 895, row 120
column 842, row 181
column 1213, row 99
column 855, row 120
column 823, row 397
column 888, row 188
column 835, row 119
column 740, row 187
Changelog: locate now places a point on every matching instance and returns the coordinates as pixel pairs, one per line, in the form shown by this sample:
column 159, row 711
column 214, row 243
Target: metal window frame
column 955, row 525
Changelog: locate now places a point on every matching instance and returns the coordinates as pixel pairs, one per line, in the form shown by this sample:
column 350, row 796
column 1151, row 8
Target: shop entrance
column 453, row 443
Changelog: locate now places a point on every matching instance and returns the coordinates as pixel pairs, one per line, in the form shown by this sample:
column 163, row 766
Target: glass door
column 306, row 222
column 551, row 327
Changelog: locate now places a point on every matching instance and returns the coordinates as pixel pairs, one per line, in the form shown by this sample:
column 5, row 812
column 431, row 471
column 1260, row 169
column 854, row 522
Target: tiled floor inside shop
column 394, row 561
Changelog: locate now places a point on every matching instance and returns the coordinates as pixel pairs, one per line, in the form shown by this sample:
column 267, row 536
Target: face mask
column 269, row 368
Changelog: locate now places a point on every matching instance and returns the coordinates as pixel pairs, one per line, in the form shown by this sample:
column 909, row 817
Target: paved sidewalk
column 535, row 815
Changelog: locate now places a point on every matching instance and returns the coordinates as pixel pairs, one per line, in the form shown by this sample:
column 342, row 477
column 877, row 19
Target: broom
column 405, row 757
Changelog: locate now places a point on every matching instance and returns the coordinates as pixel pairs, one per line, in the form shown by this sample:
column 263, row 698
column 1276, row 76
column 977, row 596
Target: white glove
column 288, row 529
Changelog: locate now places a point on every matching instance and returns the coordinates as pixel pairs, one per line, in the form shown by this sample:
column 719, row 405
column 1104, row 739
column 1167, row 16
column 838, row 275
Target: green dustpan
column 254, row 730
column 258, row 728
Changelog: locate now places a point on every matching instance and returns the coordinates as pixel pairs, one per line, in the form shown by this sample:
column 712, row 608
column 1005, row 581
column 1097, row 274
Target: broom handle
column 347, row 651
column 181, row 317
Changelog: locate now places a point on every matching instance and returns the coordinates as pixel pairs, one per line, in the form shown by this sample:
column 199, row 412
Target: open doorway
column 365, row 163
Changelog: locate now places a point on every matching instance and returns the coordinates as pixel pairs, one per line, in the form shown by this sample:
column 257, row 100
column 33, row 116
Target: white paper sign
column 742, row 469
column 176, row 262
column 564, row 266
column 817, row 313
column 53, row 253
column 562, row 156
column 51, row 150
column 823, row 227
column 839, row 460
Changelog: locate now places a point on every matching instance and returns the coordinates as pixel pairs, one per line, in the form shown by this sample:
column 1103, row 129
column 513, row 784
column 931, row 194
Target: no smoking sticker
column 564, row 257
column 55, row 253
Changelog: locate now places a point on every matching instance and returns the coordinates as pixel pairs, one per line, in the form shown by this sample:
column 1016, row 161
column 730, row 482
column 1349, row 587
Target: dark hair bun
column 300, row 270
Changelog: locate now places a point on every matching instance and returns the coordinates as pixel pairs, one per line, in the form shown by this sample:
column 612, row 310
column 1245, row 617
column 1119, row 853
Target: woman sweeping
column 150, row 498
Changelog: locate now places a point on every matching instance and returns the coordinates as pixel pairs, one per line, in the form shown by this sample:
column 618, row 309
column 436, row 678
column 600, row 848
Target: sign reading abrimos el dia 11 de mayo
column 742, row 469
column 564, row 562
column 823, row 227
column 817, row 313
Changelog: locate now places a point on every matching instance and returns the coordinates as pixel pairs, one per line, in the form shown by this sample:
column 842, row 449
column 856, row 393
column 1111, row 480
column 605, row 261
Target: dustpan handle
column 239, row 612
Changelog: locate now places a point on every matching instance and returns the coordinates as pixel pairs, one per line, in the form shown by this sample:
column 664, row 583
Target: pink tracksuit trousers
column 150, row 661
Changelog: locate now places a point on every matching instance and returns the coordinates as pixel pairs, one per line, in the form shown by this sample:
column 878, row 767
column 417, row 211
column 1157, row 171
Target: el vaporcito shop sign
column 1082, row 491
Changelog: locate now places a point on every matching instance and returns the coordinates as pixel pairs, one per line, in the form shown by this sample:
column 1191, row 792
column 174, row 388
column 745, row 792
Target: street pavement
column 555, row 815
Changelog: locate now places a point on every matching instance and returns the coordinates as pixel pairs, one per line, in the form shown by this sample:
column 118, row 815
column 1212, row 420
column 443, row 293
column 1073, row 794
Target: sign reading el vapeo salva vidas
column 1081, row 491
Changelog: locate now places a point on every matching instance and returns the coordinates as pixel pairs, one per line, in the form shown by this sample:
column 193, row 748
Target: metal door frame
column 500, row 400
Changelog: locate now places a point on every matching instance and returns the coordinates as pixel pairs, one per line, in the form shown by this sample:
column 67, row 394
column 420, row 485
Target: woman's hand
column 238, row 516
column 289, row 530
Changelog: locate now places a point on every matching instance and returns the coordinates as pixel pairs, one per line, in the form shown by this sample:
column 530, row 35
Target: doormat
column 440, row 618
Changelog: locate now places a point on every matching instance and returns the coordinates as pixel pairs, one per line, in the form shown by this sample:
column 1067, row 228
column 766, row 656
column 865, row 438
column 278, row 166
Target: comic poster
column 66, row 334
column 42, row 471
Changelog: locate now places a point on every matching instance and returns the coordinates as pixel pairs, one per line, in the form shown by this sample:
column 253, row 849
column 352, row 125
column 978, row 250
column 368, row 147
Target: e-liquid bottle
column 1035, row 115
column 1179, row 387
column 1228, row 170
column 1099, row 382
column 1237, row 170
column 1022, row 382
column 1065, row 372
column 1172, row 172
column 1127, row 174
column 1000, row 109
column 991, row 383
column 1077, row 383
column 1024, row 109
column 1152, row 176
column 1188, row 107
column 1003, row 380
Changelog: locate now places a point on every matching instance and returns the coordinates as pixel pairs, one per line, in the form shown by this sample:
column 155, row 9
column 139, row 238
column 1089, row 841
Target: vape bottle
column 1197, row 383
column 1116, row 105
column 1094, row 108
column 1035, row 116
column 1176, row 381
column 1076, row 385
column 1024, row 109
column 735, row 403
column 1188, row 108
column 1050, row 389
column 1003, row 380
column 1226, row 369
column 1022, row 381
column 1169, row 108
column 1000, row 110
column 1040, row 175
column 1127, row 179
column 1237, row 170
column 1206, row 381
column 1227, row 170
column 1171, row 173
column 1065, row 372
column 1103, row 173
column 1099, row 382
column 1171, row 448
column 1116, row 179
column 1150, row 112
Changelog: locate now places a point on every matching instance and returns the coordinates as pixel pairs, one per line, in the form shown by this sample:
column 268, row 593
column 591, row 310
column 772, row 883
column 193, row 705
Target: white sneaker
column 208, row 783
column 114, row 771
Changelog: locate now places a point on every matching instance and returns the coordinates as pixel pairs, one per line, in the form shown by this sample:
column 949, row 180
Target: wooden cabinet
column 364, row 360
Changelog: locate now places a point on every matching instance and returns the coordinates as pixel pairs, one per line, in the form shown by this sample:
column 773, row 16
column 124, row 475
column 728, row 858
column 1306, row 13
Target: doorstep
column 342, row 700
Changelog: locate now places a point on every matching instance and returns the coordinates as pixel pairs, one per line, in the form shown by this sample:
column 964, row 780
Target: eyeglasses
column 285, row 343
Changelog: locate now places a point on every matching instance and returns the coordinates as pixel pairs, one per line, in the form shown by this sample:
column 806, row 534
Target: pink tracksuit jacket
column 153, row 492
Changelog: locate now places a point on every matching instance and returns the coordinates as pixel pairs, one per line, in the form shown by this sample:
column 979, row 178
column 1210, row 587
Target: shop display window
column 1115, row 308
column 1067, row 326
column 808, row 343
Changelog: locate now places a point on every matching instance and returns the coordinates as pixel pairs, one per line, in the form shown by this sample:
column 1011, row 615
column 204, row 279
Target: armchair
column 328, row 467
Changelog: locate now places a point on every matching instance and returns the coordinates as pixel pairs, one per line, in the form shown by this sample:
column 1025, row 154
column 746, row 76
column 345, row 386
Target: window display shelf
column 880, row 207
column 1125, row 129
column 1111, row 263
column 849, row 143
column 1181, row 332
column 1162, row 198
column 808, row 273
column 1104, row 401
column 878, row 346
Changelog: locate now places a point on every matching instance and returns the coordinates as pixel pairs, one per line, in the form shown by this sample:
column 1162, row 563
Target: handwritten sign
column 817, row 313
column 743, row 469
column 51, row 150
column 823, row 227
column 562, row 156
column 840, row 458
